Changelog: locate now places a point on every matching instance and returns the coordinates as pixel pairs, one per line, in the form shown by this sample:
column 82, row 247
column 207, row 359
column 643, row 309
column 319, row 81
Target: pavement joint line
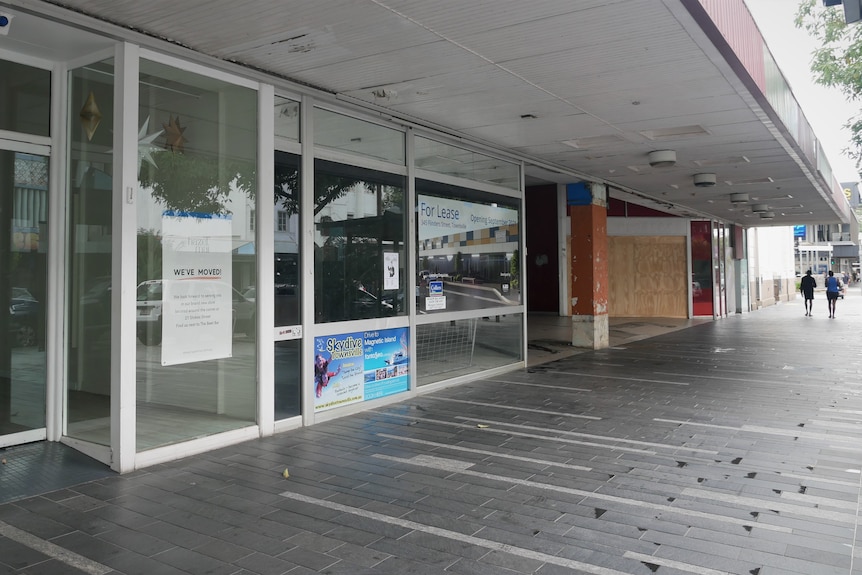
column 678, row 565
column 815, row 499
column 618, row 378
column 815, row 512
column 456, row 536
column 813, row 479
column 489, row 453
column 734, row 378
column 53, row 550
column 542, row 411
column 529, row 384
column 587, row 495
column 770, row 431
column 592, row 436
column 530, row 435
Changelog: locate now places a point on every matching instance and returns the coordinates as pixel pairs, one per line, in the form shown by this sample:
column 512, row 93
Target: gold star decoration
column 90, row 116
column 174, row 140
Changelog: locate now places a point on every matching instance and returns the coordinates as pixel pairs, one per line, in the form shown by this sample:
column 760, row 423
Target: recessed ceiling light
column 593, row 141
column 676, row 132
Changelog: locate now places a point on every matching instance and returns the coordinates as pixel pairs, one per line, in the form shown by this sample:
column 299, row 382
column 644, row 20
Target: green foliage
column 837, row 63
column 149, row 255
column 515, row 270
column 193, row 183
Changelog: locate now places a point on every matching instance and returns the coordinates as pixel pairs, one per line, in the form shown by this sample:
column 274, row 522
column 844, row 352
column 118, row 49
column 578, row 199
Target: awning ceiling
column 583, row 89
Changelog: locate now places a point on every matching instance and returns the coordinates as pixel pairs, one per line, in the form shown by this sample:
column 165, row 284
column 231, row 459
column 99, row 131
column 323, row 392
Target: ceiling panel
column 605, row 76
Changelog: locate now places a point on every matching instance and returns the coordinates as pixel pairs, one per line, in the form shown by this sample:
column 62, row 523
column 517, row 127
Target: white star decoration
column 145, row 145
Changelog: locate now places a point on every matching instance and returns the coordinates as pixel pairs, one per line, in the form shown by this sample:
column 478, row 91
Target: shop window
column 286, row 118
column 196, row 257
column 454, row 348
column 26, row 96
column 287, row 388
column 358, row 263
column 90, row 233
column 451, row 160
column 467, row 249
column 355, row 136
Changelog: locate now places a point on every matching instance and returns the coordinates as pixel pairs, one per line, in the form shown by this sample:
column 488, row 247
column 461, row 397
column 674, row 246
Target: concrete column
column 587, row 208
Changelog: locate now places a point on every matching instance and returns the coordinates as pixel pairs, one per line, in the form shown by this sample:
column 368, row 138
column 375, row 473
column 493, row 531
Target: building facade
column 198, row 253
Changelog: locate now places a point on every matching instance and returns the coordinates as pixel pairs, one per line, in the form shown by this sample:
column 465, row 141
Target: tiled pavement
column 729, row 447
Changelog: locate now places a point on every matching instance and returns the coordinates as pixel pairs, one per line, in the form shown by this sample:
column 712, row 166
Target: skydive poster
column 353, row 367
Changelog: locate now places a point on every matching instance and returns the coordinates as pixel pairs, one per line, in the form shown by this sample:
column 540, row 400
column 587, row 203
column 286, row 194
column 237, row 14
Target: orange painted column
column 588, row 249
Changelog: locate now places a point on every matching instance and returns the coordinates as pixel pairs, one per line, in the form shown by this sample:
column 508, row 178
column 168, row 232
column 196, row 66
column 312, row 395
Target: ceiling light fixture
column 662, row 158
column 759, row 208
column 767, row 215
column 704, row 180
column 738, row 198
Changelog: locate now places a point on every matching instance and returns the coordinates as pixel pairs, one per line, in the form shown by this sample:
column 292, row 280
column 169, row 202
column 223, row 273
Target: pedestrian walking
column 806, row 286
column 833, row 288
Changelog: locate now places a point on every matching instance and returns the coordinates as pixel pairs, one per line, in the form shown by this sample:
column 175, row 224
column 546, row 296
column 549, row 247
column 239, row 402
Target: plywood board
column 647, row 276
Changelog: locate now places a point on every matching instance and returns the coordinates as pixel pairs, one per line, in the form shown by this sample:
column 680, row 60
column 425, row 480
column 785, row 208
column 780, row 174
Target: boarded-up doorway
column 647, row 276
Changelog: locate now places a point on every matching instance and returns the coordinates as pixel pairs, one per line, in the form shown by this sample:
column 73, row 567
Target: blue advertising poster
column 353, row 367
column 799, row 231
column 386, row 362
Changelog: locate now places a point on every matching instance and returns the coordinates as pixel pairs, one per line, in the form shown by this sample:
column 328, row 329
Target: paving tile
column 774, row 436
column 308, row 558
column 15, row 555
column 192, row 562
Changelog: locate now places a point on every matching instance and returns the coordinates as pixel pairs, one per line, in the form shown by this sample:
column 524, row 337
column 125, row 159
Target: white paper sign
column 197, row 297
column 435, row 302
column 390, row 270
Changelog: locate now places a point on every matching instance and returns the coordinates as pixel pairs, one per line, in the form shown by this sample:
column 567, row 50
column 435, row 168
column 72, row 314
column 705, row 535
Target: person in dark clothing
column 806, row 286
column 833, row 289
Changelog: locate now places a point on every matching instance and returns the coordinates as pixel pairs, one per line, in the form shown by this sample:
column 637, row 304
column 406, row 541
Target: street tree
column 837, row 63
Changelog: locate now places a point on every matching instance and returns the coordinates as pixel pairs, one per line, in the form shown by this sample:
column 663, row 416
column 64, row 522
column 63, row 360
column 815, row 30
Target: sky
column 826, row 109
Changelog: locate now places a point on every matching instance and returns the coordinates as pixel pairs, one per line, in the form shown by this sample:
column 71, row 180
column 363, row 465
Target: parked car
column 149, row 312
column 24, row 317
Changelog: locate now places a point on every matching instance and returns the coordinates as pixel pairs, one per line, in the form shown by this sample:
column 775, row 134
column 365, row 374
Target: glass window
column 287, row 286
column 251, row 215
column 197, row 155
column 26, row 95
column 359, row 137
column 23, row 285
column 286, row 118
column 90, row 181
column 467, row 248
column 358, row 263
column 455, row 348
column 453, row 161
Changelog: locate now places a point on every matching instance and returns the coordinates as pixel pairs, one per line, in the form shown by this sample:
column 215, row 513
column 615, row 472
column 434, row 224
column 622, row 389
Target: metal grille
column 444, row 347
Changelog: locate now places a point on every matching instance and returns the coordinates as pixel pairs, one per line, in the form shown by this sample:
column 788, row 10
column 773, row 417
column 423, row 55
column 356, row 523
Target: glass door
column 23, row 274
column 25, row 103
